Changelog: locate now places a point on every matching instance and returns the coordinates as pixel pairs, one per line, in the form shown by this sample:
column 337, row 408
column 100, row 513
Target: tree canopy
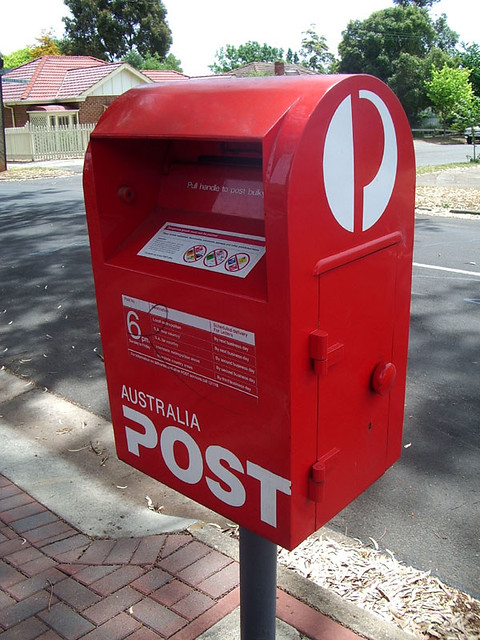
column 470, row 59
column 230, row 57
column 154, row 61
column 452, row 96
column 46, row 45
column 17, row 58
column 419, row 3
column 399, row 45
column 313, row 54
column 109, row 29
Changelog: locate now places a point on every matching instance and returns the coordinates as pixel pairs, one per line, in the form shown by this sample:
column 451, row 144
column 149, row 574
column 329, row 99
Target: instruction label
column 202, row 349
column 234, row 254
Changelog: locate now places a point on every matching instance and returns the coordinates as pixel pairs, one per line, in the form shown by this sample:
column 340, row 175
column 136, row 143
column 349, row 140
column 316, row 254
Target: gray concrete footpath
column 41, row 438
column 54, row 450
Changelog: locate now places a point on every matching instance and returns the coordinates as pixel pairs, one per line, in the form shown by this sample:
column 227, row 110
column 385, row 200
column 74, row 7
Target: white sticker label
column 233, row 254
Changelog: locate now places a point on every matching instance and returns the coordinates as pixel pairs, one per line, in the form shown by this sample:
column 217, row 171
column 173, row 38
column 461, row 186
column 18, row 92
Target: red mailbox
column 252, row 244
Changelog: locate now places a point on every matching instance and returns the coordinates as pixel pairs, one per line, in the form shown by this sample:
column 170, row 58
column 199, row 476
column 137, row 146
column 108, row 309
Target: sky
column 200, row 27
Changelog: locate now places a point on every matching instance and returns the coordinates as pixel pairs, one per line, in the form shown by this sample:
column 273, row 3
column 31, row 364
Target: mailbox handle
column 356, row 253
column 323, row 355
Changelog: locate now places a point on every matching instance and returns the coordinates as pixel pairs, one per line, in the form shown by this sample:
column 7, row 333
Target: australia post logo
column 152, row 423
column 359, row 184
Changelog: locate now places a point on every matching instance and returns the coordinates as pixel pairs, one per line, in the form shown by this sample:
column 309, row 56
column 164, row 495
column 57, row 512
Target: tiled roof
column 49, row 107
column 66, row 77
column 268, row 69
column 15, row 82
column 159, row 75
column 76, row 81
column 51, row 77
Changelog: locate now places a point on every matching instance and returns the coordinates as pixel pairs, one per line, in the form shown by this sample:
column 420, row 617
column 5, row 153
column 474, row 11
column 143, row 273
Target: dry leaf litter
column 452, row 190
column 33, row 173
column 447, row 199
column 413, row 600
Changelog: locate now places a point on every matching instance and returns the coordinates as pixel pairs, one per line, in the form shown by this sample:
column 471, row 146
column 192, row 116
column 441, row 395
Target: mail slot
column 251, row 245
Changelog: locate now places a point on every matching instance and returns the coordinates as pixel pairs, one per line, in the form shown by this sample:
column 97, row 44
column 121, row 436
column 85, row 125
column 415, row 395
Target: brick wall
column 93, row 108
column 21, row 117
column 89, row 111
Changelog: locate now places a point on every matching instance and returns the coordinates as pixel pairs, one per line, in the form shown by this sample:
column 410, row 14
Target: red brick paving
column 220, row 583
column 58, row 584
column 308, row 621
column 152, row 580
column 171, row 592
column 122, row 551
column 116, row 603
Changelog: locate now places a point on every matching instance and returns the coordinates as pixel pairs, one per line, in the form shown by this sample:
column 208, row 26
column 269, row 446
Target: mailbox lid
column 221, row 108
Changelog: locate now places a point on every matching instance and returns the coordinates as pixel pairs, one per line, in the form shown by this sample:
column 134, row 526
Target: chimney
column 279, row 68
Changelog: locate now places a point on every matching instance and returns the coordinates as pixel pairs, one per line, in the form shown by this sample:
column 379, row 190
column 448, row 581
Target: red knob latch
column 127, row 194
column 383, row 377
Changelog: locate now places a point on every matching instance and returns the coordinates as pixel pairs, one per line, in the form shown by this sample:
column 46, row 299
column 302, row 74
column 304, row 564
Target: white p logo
column 339, row 166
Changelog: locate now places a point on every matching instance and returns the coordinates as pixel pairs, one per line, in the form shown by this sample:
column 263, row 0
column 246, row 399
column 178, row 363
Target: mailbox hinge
column 322, row 355
column 318, row 475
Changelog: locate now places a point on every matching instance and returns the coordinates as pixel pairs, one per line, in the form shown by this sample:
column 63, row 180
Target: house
column 159, row 75
column 67, row 90
column 270, row 69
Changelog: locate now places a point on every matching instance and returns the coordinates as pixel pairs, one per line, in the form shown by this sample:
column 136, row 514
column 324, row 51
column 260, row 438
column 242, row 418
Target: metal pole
column 258, row 587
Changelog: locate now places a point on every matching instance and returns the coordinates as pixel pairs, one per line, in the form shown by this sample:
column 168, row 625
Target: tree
column 419, row 3
column 452, row 95
column 170, row 62
column 47, row 46
column 471, row 117
column 292, row 57
column 154, row 61
column 231, row 57
column 447, row 39
column 470, row 59
column 17, row 58
column 407, row 82
column 398, row 46
column 314, row 51
column 134, row 59
column 374, row 45
column 109, row 29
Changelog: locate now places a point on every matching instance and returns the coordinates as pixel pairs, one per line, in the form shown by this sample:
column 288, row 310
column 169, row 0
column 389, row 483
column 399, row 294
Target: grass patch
column 434, row 168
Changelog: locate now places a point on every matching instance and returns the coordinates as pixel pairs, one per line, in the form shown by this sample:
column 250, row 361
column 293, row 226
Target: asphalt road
column 425, row 508
column 427, row 153
column 48, row 317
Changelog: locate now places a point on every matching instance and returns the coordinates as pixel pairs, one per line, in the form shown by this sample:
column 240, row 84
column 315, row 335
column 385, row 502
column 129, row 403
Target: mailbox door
column 356, row 318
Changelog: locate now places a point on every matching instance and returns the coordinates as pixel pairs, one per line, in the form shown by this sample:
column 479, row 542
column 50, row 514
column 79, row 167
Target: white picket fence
column 44, row 143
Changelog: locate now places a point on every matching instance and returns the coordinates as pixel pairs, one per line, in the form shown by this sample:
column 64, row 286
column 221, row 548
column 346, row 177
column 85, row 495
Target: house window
column 53, row 120
column 38, row 120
